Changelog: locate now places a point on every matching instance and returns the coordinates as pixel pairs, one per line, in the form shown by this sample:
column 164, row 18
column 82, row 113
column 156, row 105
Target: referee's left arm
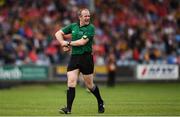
column 79, row 42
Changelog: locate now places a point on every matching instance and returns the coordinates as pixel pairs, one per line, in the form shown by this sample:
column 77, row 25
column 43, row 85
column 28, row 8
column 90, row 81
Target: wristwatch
column 69, row 43
column 84, row 37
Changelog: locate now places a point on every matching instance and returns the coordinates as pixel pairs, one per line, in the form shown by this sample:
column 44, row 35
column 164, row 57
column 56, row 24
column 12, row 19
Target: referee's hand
column 66, row 48
column 64, row 43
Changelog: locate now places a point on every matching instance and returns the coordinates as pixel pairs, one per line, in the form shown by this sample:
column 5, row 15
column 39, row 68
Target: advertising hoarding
column 157, row 72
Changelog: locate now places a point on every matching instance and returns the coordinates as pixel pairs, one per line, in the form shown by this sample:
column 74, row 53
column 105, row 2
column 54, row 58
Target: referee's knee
column 89, row 85
column 72, row 83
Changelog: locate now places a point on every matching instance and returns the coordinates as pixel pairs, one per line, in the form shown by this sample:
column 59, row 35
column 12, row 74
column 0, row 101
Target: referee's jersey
column 77, row 33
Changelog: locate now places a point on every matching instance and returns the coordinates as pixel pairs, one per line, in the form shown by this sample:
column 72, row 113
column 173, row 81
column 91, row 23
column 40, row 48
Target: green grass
column 156, row 99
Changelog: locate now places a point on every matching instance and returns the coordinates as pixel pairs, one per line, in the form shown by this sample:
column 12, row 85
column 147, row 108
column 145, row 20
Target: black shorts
column 83, row 62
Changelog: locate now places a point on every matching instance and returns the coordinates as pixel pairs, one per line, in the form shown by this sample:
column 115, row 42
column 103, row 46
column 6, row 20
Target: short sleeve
column 67, row 29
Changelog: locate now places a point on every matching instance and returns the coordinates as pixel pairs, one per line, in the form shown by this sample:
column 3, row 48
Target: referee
column 81, row 58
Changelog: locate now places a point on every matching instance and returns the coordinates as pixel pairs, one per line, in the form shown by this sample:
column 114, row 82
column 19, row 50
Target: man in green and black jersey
column 81, row 57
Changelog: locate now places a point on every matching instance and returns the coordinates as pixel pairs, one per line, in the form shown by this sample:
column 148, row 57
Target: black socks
column 95, row 91
column 70, row 97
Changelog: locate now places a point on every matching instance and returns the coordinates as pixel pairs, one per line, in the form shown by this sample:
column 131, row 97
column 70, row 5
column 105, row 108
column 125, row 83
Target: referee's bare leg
column 71, row 83
column 88, row 79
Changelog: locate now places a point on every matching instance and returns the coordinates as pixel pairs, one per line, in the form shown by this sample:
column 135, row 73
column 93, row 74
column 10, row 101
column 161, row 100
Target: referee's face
column 85, row 17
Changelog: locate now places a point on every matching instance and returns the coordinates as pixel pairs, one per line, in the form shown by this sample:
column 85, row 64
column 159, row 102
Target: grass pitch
column 155, row 99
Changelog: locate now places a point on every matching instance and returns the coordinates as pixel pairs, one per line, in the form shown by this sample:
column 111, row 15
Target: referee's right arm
column 59, row 36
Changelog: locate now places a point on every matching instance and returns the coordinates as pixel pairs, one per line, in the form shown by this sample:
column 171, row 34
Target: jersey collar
column 83, row 25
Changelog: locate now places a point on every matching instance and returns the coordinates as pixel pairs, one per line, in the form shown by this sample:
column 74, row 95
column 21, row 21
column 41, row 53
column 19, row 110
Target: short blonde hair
column 82, row 9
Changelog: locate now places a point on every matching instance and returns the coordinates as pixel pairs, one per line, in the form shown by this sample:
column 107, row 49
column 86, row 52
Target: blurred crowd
column 134, row 31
